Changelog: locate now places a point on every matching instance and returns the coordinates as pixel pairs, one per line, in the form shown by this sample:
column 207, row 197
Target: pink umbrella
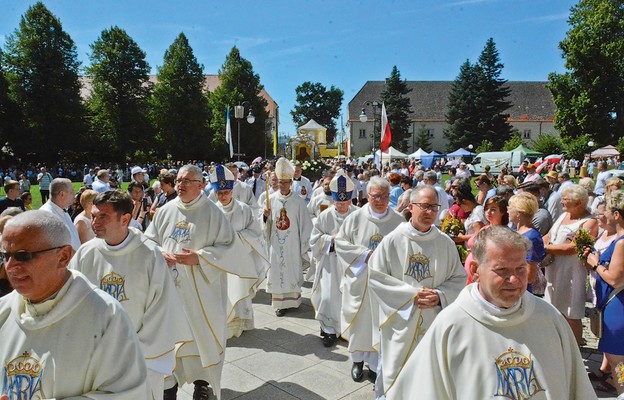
column 257, row 160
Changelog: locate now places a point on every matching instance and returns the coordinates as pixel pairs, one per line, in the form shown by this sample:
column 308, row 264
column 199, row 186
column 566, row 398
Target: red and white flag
column 386, row 135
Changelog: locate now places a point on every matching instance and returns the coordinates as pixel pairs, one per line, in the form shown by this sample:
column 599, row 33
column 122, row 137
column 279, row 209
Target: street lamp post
column 363, row 118
column 239, row 111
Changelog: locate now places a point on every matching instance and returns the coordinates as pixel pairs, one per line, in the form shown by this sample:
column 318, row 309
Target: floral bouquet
column 452, row 226
column 583, row 239
column 312, row 170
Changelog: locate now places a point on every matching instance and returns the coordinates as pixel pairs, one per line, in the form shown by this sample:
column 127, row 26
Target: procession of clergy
column 394, row 289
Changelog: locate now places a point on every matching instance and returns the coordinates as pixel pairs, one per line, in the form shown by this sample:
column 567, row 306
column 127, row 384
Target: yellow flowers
column 452, row 226
column 582, row 239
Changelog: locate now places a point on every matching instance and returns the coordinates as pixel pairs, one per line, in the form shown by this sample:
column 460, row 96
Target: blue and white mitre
column 221, row 179
column 341, row 187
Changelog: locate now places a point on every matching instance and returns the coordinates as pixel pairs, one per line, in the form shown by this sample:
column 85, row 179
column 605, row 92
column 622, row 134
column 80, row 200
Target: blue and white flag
column 228, row 132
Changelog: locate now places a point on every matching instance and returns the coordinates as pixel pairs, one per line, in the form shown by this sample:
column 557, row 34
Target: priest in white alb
column 60, row 336
column 321, row 202
column 359, row 236
column 287, row 225
column 129, row 267
column 249, row 233
column 326, row 295
column 195, row 238
column 413, row 274
column 496, row 341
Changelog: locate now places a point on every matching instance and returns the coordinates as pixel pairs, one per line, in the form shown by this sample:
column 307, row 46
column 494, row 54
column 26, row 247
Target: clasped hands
column 186, row 257
column 427, row 298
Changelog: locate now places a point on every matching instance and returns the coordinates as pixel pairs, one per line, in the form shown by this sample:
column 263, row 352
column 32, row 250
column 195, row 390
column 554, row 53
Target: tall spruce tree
column 423, row 141
column 590, row 95
column 398, row 109
column 10, row 126
column 179, row 107
column 462, row 114
column 120, row 90
column 494, row 119
column 478, row 101
column 42, row 69
column 239, row 83
column 315, row 101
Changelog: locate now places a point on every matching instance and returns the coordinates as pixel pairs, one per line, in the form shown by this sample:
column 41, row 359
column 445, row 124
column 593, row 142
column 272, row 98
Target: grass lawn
column 34, row 190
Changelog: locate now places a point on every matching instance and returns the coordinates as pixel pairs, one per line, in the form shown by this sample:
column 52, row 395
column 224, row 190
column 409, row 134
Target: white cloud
column 547, row 18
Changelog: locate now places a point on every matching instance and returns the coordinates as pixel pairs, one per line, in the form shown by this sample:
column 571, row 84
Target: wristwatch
column 595, row 267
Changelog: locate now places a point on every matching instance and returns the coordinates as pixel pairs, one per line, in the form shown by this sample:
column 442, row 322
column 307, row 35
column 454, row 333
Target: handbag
column 547, row 260
column 595, row 315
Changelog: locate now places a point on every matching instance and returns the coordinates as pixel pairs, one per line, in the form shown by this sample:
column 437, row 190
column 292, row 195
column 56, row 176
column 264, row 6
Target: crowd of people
column 429, row 281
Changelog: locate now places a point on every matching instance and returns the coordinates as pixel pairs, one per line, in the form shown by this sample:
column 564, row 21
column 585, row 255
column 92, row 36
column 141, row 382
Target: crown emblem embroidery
column 22, row 378
column 115, row 285
column 181, row 232
column 516, row 376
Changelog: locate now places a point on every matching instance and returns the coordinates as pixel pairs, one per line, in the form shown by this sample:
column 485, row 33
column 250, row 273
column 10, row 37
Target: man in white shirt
column 462, row 170
column 101, row 184
column 61, row 197
column 88, row 179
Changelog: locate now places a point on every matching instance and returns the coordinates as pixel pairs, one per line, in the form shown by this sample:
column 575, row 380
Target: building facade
column 532, row 113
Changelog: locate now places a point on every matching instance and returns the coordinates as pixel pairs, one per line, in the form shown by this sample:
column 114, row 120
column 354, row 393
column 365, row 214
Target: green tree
column 620, row 145
column 590, row 95
column 315, row 101
column 485, row 146
column 477, row 102
column 494, row 119
column 398, row 109
column 547, row 143
column 238, row 84
column 120, row 90
column 423, row 141
column 514, row 141
column 9, row 112
column 179, row 107
column 42, row 69
column 462, row 114
column 576, row 147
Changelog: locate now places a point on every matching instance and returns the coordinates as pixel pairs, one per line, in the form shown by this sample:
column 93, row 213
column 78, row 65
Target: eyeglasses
column 379, row 197
column 454, row 187
column 24, row 256
column 185, row 182
column 427, row 206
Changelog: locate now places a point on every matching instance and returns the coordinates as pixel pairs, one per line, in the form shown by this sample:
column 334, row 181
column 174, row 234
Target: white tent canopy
column 391, row 153
column 607, row 151
column 418, row 154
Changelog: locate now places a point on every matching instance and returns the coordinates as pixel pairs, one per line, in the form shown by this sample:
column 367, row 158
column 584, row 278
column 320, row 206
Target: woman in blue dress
column 609, row 268
column 521, row 208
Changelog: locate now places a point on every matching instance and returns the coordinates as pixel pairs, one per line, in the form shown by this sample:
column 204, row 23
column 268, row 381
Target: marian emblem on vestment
column 22, row 378
column 283, row 222
column 374, row 241
column 516, row 376
column 181, row 232
column 115, row 285
column 418, row 267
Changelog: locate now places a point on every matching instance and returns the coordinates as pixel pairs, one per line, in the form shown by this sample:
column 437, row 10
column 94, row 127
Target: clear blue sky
column 335, row 42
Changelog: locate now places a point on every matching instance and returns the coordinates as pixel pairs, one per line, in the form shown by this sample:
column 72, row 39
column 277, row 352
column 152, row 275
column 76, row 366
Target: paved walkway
column 284, row 359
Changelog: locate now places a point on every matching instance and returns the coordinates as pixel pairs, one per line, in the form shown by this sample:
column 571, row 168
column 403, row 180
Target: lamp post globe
column 363, row 117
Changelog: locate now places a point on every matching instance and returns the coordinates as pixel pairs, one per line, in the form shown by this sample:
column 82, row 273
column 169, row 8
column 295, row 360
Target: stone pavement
column 284, row 359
